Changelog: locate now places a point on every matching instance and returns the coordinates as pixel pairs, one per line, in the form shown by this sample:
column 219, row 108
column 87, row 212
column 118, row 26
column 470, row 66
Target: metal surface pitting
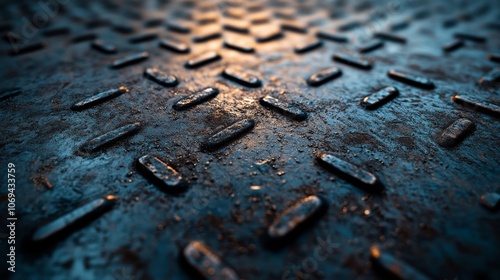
column 359, row 136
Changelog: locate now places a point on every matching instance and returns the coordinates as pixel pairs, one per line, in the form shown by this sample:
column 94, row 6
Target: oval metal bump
column 83, row 37
column 268, row 34
column 161, row 77
column 28, row 48
column 491, row 201
column 207, row 262
column 390, row 37
column 283, row 108
column 109, row 138
column 494, row 57
column 103, row 47
column 393, row 267
column 294, row 25
column 285, row 13
column 97, row 22
column 370, row 46
column 129, row 60
column 324, row 76
column 144, row 37
column 416, row 81
column 453, row 45
column 450, row 22
column 477, row 105
column 123, row 27
column 421, row 14
column 259, row 17
column 207, row 36
column 99, row 98
column 470, row 37
column 153, row 22
column 239, row 46
column 202, row 59
column 456, row 132
column 400, row 25
column 178, row 27
column 357, row 176
column 332, row 37
column 9, row 93
column 228, row 134
column 348, row 26
column 73, row 219
column 175, row 46
column 56, row 31
column 234, row 12
column 239, row 75
column 205, row 17
column 491, row 78
column 379, row 98
column 352, row 61
column 256, row 8
column 167, row 178
column 295, row 218
column 307, row 45
column 239, row 26
column 195, row 99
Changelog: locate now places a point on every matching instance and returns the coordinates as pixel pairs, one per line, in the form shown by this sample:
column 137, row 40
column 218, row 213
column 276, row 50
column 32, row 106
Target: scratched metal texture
column 428, row 215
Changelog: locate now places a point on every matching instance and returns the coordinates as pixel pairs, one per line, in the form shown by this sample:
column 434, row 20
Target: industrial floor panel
column 251, row 139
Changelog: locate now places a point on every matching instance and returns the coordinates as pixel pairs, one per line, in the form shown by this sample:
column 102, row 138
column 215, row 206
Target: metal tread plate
column 245, row 161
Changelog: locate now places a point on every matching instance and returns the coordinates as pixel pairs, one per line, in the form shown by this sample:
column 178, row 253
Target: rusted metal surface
column 427, row 218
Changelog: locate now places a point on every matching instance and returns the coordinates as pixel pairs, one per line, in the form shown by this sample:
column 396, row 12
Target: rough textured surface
column 428, row 216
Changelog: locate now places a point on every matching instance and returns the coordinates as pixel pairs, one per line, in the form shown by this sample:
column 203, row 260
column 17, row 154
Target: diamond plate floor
column 235, row 164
